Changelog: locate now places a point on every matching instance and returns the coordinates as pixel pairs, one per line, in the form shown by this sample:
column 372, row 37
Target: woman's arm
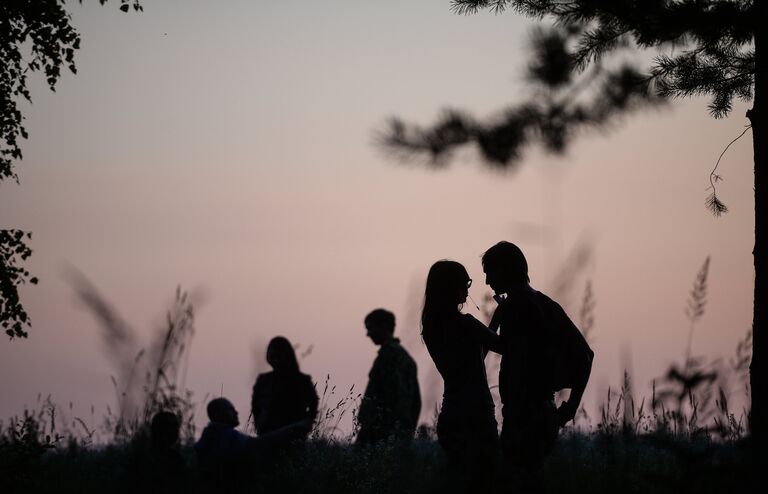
column 479, row 332
column 312, row 400
column 256, row 399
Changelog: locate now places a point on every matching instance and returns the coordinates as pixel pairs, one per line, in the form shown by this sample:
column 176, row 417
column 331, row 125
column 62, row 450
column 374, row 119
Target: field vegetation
column 683, row 438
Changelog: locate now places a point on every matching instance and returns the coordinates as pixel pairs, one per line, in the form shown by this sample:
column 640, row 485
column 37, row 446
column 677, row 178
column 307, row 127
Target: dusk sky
column 228, row 147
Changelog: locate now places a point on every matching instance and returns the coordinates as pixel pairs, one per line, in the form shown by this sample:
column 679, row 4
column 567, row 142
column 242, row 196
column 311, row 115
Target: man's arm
column 496, row 346
column 581, row 359
column 368, row 413
column 365, row 412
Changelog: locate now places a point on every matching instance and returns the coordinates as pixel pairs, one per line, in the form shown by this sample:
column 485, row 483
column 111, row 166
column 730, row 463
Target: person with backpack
column 542, row 352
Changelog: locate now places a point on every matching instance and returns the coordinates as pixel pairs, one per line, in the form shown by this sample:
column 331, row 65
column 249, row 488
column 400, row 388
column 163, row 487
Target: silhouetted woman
column 284, row 396
column 458, row 343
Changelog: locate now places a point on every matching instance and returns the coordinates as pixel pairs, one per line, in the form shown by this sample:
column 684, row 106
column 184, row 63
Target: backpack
column 571, row 352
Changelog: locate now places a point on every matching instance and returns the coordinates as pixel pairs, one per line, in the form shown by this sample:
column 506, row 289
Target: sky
column 229, row 148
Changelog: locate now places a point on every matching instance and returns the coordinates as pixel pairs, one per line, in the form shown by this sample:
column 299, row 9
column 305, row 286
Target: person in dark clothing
column 458, row 343
column 224, row 454
column 391, row 403
column 542, row 353
column 164, row 432
column 160, row 466
column 284, row 396
column 222, row 451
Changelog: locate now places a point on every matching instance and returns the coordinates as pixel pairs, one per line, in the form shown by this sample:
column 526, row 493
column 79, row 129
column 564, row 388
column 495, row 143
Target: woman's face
column 463, row 289
column 274, row 359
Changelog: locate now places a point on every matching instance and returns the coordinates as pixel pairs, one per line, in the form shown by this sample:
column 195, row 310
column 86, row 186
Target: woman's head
column 447, row 288
column 281, row 356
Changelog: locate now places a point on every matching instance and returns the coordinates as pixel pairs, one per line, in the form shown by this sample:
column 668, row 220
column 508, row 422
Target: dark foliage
column 603, row 462
column 13, row 251
column 709, row 51
column 35, row 36
column 564, row 101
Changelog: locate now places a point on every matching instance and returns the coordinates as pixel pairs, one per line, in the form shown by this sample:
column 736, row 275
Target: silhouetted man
column 392, row 401
column 222, row 449
column 224, row 453
column 542, row 352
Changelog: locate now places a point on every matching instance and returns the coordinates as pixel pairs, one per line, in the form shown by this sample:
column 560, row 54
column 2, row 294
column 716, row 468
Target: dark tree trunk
column 758, row 116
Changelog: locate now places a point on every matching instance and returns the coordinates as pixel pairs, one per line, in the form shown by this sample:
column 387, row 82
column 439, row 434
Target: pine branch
column 717, row 60
column 595, row 43
column 717, row 207
column 404, row 141
column 722, row 72
column 468, row 7
column 712, row 202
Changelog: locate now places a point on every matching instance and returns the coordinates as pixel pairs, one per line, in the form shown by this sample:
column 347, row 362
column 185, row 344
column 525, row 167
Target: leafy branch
column 13, row 251
column 35, row 36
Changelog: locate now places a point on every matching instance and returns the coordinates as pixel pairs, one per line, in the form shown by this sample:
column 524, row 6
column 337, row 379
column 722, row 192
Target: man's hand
column 496, row 317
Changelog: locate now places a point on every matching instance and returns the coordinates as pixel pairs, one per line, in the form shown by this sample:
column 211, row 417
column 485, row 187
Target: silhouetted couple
column 541, row 351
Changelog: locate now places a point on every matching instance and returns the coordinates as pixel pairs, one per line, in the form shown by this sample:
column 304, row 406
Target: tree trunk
column 758, row 116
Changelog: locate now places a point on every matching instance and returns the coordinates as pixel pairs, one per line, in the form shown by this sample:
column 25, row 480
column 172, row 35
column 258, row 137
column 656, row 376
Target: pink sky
column 229, row 149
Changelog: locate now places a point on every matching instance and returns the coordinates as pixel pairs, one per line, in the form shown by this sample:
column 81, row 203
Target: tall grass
column 331, row 410
column 148, row 378
column 616, row 457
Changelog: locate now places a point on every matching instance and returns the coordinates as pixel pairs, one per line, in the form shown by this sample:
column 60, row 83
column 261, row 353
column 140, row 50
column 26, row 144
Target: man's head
column 505, row 267
column 380, row 326
column 222, row 411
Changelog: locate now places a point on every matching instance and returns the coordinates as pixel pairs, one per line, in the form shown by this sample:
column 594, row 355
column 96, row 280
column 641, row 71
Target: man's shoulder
column 521, row 305
column 534, row 301
column 545, row 300
column 393, row 353
column 216, row 429
column 401, row 349
column 550, row 307
column 392, row 346
column 564, row 329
